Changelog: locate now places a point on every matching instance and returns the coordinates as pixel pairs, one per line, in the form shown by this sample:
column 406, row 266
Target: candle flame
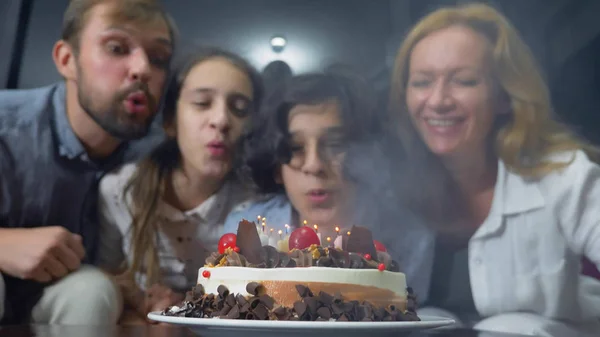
column 280, row 232
column 348, row 233
column 271, row 230
column 328, row 239
column 316, row 226
column 337, row 229
column 305, row 222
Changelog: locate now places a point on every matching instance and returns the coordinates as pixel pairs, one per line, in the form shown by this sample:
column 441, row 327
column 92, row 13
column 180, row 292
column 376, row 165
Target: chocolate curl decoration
column 361, row 241
column 249, row 242
column 322, row 307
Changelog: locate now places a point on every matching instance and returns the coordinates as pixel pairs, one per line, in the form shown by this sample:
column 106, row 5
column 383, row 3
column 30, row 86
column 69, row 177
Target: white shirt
column 526, row 255
column 185, row 239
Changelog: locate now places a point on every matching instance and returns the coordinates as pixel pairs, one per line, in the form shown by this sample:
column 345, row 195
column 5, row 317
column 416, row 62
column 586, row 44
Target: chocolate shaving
column 394, row 266
column 224, row 311
column 222, row 291
column 249, row 242
column 234, row 313
column 261, row 312
column 285, row 261
column 323, row 307
column 283, row 313
column 361, row 241
column 325, row 298
column 230, row 300
column 268, row 301
column 254, row 302
column 341, row 259
column 337, row 308
column 300, row 308
column 195, row 294
column 324, row 261
column 279, row 311
column 236, row 260
column 241, row 300
column 213, row 259
column 312, row 304
column 379, row 313
column 303, row 291
column 245, row 308
column 384, row 258
column 270, row 255
column 254, row 288
column 357, row 261
column 324, row 312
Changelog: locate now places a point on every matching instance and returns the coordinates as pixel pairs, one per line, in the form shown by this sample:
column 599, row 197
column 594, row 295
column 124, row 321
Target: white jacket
column 526, row 256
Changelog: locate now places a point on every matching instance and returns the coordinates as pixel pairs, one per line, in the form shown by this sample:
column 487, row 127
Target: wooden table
column 168, row 331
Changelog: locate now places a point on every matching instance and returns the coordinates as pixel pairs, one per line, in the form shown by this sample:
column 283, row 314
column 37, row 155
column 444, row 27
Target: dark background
column 564, row 35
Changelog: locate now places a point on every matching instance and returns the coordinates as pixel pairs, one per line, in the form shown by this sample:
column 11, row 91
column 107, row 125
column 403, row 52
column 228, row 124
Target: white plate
column 233, row 327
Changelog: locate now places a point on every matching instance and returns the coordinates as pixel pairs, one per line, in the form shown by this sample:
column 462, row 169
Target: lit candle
column 328, row 240
column 272, row 239
column 258, row 217
column 337, row 230
column 318, row 234
column 280, row 233
column 287, row 229
column 348, row 233
column 305, row 223
column 263, row 226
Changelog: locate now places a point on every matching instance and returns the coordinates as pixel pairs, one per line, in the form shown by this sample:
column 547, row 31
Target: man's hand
column 41, row 254
column 159, row 297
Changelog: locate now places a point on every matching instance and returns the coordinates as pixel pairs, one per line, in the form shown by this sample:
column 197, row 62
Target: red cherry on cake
column 379, row 246
column 206, row 274
column 302, row 238
column 227, row 241
column 381, row 267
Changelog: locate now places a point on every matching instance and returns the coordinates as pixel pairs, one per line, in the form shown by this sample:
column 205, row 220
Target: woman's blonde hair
column 527, row 136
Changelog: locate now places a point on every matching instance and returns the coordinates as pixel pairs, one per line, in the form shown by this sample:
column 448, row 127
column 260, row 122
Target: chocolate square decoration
column 248, row 242
column 361, row 241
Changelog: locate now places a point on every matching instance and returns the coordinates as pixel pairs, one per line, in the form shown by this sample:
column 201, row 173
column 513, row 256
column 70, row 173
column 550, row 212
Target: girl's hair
column 524, row 139
column 266, row 147
column 147, row 185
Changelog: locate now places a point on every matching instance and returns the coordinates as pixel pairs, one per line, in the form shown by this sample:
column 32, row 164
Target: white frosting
column 236, row 278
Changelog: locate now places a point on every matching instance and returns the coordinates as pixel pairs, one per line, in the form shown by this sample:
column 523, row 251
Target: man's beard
column 111, row 116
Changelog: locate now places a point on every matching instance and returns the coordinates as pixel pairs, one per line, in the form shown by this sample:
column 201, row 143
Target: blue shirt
column 46, row 176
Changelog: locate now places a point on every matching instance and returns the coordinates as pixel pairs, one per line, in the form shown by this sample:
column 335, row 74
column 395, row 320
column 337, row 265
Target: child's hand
column 159, row 297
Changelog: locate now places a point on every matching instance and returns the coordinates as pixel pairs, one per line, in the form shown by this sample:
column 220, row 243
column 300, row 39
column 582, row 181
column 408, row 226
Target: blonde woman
column 160, row 218
column 522, row 194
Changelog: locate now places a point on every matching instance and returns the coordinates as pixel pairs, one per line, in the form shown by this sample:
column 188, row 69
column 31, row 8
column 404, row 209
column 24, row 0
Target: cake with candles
column 260, row 274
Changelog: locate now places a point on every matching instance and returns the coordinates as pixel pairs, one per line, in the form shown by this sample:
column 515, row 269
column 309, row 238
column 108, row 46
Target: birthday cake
column 353, row 280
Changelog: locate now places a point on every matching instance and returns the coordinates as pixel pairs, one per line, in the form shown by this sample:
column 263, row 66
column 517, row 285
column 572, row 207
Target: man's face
column 121, row 71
